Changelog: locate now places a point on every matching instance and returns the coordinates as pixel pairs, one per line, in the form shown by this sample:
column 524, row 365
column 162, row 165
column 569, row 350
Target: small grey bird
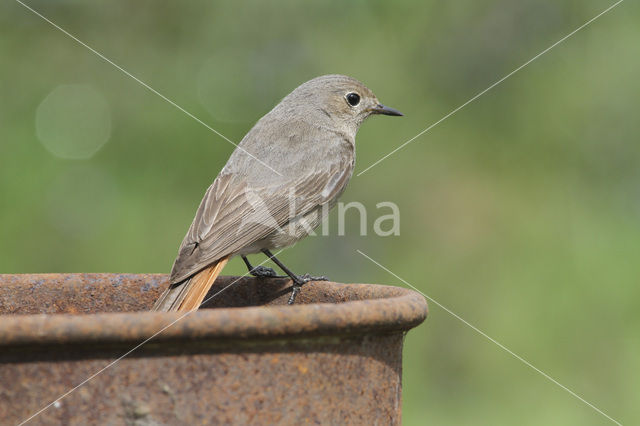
column 278, row 184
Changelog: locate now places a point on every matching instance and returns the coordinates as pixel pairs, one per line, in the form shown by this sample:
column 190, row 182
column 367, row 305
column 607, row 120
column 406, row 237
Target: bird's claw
column 303, row 279
column 298, row 283
column 307, row 278
column 263, row 271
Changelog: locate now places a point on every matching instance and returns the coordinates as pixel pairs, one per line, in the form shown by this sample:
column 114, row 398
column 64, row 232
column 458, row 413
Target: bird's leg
column 298, row 280
column 260, row 271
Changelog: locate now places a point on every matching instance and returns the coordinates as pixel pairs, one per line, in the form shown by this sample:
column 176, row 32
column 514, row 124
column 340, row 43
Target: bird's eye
column 353, row 99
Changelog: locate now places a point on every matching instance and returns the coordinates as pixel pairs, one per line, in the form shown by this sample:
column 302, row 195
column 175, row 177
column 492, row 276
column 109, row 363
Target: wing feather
column 234, row 214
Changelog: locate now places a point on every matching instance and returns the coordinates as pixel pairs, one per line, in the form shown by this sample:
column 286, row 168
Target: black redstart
column 279, row 182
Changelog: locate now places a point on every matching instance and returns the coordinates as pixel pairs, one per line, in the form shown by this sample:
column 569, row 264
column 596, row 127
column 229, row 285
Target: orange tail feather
column 189, row 294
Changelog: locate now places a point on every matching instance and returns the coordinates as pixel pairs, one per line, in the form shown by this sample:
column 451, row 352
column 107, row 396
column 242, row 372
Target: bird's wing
column 233, row 214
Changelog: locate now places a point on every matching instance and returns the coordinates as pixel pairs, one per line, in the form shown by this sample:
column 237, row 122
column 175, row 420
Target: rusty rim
column 357, row 308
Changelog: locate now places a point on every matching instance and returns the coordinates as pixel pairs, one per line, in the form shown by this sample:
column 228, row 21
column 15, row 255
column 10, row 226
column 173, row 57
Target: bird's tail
column 187, row 295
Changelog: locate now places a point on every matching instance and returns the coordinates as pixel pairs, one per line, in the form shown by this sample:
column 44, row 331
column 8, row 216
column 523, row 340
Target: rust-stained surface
column 333, row 358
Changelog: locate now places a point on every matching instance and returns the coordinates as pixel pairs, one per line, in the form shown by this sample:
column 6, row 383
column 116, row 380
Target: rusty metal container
column 245, row 358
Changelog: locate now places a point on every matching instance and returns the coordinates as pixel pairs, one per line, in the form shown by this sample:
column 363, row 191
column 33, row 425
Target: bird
column 276, row 187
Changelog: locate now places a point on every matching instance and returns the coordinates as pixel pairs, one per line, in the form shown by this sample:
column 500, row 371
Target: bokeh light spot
column 73, row 121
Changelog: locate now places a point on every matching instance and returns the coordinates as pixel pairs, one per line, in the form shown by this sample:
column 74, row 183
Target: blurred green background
column 520, row 213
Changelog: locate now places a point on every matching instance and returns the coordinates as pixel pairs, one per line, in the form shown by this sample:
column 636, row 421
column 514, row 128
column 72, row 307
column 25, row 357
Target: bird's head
column 338, row 99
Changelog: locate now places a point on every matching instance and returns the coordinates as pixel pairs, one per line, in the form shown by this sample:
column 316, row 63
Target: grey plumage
column 309, row 139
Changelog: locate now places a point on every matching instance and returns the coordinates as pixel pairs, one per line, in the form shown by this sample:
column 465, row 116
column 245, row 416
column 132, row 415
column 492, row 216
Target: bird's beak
column 381, row 109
